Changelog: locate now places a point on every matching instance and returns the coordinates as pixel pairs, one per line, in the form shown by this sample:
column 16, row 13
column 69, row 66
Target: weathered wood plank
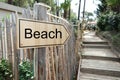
column 52, row 63
column 8, row 35
column 1, row 52
column 16, row 51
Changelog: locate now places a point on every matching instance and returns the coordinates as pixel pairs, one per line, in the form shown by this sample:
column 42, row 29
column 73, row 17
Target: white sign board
column 32, row 33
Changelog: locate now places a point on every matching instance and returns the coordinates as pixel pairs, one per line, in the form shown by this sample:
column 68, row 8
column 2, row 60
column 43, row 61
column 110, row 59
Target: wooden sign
column 32, row 33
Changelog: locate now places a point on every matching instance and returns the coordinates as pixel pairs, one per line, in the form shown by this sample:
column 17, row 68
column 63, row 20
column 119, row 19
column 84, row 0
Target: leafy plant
column 102, row 21
column 109, row 22
column 25, row 71
column 5, row 70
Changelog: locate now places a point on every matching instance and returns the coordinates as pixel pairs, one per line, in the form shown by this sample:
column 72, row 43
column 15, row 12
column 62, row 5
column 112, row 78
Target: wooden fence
column 50, row 62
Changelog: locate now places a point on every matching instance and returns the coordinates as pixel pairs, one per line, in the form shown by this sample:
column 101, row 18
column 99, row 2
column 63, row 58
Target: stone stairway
column 98, row 61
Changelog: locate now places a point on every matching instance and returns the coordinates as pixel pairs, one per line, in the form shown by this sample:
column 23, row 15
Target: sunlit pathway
column 98, row 61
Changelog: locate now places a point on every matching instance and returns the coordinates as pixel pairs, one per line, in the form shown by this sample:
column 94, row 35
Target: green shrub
column 25, row 71
column 114, row 21
column 102, row 22
column 5, row 70
column 109, row 22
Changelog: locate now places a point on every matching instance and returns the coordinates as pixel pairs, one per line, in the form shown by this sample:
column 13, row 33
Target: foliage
column 102, row 22
column 5, row 70
column 113, row 2
column 88, row 16
column 114, row 5
column 73, row 17
column 107, row 5
column 109, row 15
column 25, row 71
column 102, row 8
column 109, row 22
column 65, row 6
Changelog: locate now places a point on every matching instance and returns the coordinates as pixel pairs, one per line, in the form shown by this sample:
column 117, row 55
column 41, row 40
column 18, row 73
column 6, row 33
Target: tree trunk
column 65, row 14
column 69, row 12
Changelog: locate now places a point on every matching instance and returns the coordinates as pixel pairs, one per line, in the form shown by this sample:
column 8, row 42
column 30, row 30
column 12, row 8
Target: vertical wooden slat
column 36, row 64
column 52, row 63
column 5, row 40
column 60, row 63
column 0, row 49
column 12, row 51
column 8, row 35
column 41, row 64
column 1, row 52
column 64, row 64
column 16, row 51
column 48, row 73
column 56, row 62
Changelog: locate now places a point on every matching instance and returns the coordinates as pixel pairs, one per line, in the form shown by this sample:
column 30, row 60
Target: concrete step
column 100, row 58
column 100, row 67
column 86, row 76
column 99, row 54
column 98, row 42
column 96, row 46
column 92, row 39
